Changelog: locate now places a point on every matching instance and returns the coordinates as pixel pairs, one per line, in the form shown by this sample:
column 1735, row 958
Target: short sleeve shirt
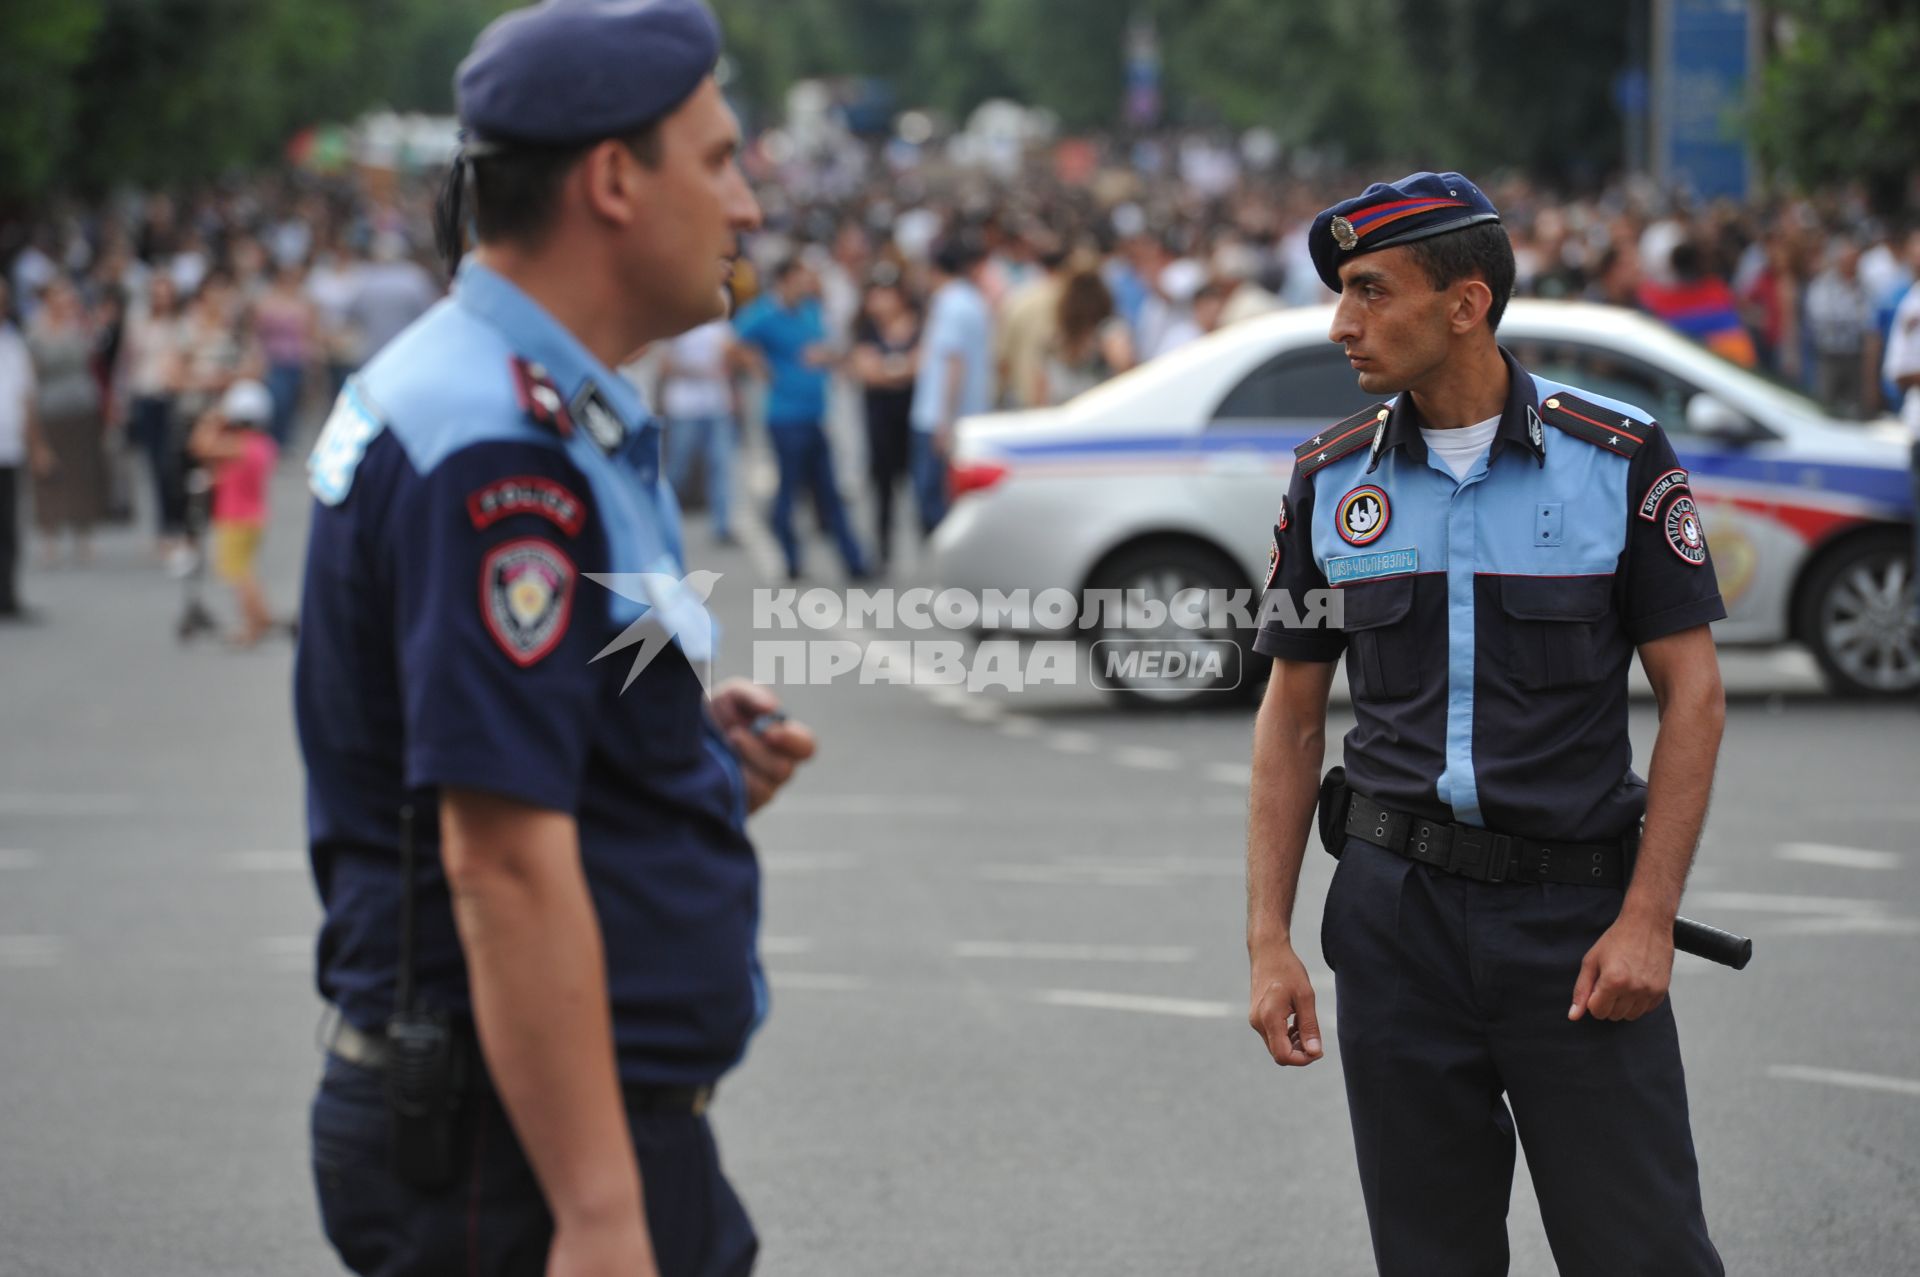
column 958, row 323
column 488, row 521
column 1488, row 622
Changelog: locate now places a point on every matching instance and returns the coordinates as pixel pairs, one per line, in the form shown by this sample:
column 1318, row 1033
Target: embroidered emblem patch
column 1536, row 435
column 526, row 596
column 343, row 441
column 1362, row 515
column 1650, row 504
column 1273, row 559
column 1683, row 530
column 539, row 397
column 1280, row 524
column 527, row 494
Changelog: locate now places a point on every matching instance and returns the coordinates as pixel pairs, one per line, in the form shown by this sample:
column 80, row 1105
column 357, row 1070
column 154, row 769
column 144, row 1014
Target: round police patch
column 1273, row 562
column 1362, row 515
column 526, row 596
column 1684, row 534
column 1280, row 523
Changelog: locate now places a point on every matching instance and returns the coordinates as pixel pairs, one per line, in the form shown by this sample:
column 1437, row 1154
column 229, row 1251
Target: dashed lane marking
column 1042, row 952
column 1841, row 1077
column 1819, row 853
column 30, row 951
column 1190, row 1008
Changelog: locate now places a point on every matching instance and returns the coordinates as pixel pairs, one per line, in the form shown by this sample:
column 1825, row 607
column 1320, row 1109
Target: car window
column 1609, row 373
column 1316, row 384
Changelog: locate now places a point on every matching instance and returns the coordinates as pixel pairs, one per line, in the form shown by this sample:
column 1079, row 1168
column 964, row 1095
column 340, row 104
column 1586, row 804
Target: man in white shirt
column 956, row 372
column 698, row 400
column 20, row 443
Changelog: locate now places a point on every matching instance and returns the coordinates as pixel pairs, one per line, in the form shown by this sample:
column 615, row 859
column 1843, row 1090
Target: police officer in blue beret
column 527, row 817
column 1500, row 925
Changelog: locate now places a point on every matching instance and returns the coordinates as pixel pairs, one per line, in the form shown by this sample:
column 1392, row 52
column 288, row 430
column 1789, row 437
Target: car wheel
column 1188, row 667
column 1857, row 615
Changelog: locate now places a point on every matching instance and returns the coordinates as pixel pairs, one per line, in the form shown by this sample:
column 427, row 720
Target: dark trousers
column 9, row 539
column 889, row 439
column 151, row 428
column 494, row 1220
column 1451, row 998
column 806, row 465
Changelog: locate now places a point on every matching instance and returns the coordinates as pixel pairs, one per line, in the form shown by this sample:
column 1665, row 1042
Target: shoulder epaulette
column 1337, row 441
column 1601, row 427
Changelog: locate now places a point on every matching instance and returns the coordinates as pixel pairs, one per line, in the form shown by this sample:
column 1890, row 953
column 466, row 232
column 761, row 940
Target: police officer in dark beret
column 1500, row 925
column 527, row 816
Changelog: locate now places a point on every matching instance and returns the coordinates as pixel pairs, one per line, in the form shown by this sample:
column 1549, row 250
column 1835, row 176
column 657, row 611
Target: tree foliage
column 1840, row 99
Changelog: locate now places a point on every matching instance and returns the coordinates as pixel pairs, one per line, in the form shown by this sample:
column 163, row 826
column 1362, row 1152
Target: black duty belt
column 369, row 1051
column 1481, row 854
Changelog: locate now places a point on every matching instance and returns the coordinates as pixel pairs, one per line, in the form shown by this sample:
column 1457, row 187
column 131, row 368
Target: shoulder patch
column 1598, row 426
column 526, row 597
column 1657, row 492
column 527, row 494
column 343, row 441
column 1683, row 532
column 1340, row 440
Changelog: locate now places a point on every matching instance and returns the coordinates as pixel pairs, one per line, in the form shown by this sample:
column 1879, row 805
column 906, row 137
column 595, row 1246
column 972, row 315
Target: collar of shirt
column 1519, row 422
column 542, row 339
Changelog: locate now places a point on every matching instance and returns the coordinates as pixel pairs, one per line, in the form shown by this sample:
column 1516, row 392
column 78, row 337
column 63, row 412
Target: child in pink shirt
column 232, row 440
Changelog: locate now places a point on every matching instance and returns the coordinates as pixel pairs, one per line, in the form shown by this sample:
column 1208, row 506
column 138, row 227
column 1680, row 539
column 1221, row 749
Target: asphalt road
column 1005, row 936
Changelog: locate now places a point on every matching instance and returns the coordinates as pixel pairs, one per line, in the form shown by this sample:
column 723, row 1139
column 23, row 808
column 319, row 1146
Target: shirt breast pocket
column 1556, row 629
column 1383, row 649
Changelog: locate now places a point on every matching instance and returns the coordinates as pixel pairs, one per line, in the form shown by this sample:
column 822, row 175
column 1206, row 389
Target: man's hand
column 1626, row 973
column 607, row 1250
column 768, row 757
column 1283, row 1010
column 44, row 461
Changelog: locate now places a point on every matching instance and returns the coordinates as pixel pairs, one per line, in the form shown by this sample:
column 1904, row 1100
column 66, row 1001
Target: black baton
column 1712, row 943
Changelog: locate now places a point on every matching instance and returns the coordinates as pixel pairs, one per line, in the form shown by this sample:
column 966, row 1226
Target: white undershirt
column 1461, row 447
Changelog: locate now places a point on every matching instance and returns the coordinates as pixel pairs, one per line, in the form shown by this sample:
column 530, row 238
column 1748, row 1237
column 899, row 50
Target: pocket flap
column 1371, row 604
column 1556, row 598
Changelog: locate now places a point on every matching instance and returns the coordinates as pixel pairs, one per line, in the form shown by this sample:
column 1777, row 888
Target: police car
column 1168, row 478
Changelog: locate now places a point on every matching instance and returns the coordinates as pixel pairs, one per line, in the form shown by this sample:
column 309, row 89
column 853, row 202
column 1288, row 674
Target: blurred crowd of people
column 882, row 302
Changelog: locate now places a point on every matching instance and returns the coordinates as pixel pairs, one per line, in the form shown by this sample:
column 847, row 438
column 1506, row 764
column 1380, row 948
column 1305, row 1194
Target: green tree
column 38, row 101
column 1840, row 99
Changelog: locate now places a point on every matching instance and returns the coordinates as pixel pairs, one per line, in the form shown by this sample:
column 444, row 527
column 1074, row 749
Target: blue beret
column 577, row 71
column 1390, row 213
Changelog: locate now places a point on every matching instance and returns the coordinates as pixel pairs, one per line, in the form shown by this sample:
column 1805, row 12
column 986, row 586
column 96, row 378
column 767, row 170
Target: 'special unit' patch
column 1657, row 492
column 526, row 597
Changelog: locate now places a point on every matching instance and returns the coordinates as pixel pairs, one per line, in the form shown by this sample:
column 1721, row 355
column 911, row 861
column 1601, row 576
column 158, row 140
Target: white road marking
column 1073, row 742
column 785, row 946
column 1819, row 853
column 1190, row 866
column 808, row 862
column 1147, row 758
column 1848, row 925
column 263, row 861
column 1840, row 1077
column 978, row 711
column 819, row 981
column 1040, row 952
column 65, row 804
column 1191, row 1008
column 10, row 859
column 30, row 951
column 870, row 805
column 1019, row 726
column 1072, row 876
column 1239, row 775
column 1761, row 902
column 944, row 695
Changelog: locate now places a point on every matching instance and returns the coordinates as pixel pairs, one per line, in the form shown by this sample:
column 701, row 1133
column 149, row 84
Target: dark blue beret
column 576, row 71
column 1390, row 213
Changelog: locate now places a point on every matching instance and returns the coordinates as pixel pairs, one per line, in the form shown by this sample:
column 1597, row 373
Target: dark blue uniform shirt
column 1490, row 621
column 468, row 479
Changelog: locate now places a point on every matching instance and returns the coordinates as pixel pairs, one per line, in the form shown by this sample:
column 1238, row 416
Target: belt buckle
column 1479, row 854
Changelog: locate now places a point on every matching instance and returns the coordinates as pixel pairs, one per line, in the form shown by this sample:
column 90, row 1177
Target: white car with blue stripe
column 1168, row 478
